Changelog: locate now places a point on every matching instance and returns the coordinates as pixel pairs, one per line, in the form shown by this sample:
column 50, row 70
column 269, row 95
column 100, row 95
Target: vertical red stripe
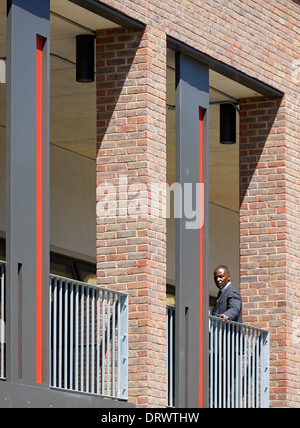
column 39, row 210
column 201, row 261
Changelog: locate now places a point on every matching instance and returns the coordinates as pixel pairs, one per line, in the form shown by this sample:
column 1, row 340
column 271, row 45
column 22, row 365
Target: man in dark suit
column 229, row 302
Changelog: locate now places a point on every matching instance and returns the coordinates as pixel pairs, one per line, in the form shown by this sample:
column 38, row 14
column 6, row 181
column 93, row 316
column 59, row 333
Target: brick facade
column 131, row 154
column 268, row 250
column 262, row 40
column 257, row 38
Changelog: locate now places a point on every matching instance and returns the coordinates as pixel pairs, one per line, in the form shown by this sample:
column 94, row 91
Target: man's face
column 221, row 277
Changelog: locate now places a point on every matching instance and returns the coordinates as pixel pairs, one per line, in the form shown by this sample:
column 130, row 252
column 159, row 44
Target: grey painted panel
column 24, row 21
column 192, row 92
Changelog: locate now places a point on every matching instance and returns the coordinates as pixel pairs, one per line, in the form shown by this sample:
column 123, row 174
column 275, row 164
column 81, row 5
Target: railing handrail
column 86, row 284
column 240, row 324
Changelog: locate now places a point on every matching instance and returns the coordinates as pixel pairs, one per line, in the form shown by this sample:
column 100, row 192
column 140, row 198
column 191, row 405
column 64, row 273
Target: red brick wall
column 131, row 250
column 292, row 305
column 268, row 246
column 261, row 39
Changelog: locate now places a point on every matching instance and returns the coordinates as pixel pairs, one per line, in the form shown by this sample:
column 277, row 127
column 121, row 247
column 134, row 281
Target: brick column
column 268, row 287
column 131, row 154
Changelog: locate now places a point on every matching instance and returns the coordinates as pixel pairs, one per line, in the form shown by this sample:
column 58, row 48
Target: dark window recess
column 70, row 267
column 65, row 266
column 2, row 250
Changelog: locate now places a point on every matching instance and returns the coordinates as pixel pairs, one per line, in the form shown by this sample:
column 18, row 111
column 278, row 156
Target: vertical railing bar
column 220, row 367
column 211, row 324
column 228, row 366
column 216, row 367
column 249, row 368
column 60, row 337
column 253, row 368
column 168, row 356
column 241, row 367
column 82, row 339
column 245, row 367
column 92, row 389
column 76, row 336
column 113, row 379
column 108, row 344
column 224, row 338
column 237, row 353
column 98, row 344
column 87, row 368
column 171, row 347
column 54, row 322
column 261, row 369
column 172, row 327
column 232, row 357
column 257, row 371
column 71, row 301
column 66, row 337
column 218, row 363
column 103, row 342
column 119, row 349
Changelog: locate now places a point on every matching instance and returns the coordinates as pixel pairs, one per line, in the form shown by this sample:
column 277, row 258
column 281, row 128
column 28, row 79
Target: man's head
column 221, row 276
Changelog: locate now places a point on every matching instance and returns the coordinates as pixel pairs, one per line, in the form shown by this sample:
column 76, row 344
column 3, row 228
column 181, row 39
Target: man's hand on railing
column 224, row 317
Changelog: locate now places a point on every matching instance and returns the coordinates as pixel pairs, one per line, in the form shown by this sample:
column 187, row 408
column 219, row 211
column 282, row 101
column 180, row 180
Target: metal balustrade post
column 123, row 347
column 265, row 370
column 89, row 326
column 170, row 355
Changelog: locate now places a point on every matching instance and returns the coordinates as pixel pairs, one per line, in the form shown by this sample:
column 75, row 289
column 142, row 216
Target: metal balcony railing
column 238, row 364
column 89, row 347
column 89, row 338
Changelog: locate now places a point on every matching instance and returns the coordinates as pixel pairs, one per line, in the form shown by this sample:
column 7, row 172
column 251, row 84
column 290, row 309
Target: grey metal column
column 192, row 105
column 26, row 260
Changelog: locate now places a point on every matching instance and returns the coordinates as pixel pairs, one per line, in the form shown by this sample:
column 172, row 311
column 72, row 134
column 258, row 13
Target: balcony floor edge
column 15, row 395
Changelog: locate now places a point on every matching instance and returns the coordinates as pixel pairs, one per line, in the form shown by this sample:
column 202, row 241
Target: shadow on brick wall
column 261, row 145
column 117, row 92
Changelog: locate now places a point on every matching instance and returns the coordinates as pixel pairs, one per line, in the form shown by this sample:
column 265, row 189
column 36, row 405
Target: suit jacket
column 229, row 303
